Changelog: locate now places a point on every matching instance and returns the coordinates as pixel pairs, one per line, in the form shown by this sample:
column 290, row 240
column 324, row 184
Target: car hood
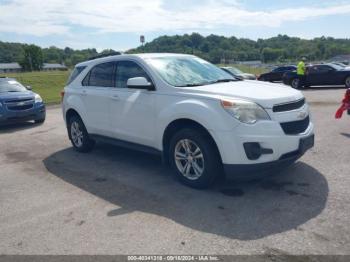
column 16, row 95
column 265, row 94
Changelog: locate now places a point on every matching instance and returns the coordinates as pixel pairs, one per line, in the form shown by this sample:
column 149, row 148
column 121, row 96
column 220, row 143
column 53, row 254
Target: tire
column 78, row 135
column 347, row 82
column 39, row 121
column 198, row 150
column 295, row 83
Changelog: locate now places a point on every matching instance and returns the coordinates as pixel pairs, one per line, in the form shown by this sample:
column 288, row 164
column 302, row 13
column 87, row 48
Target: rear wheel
column 194, row 157
column 78, row 135
column 347, row 82
column 296, row 83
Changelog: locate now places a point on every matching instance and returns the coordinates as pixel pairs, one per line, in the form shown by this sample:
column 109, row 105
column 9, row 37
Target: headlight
column 38, row 99
column 245, row 111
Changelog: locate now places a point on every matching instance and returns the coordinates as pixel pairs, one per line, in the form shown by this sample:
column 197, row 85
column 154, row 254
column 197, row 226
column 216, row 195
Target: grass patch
column 46, row 84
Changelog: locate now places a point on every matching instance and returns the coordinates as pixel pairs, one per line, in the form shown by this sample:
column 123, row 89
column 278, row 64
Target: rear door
column 96, row 96
column 132, row 110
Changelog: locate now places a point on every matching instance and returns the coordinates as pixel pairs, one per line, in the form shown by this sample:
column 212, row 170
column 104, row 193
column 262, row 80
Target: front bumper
column 278, row 145
column 251, row 171
column 38, row 112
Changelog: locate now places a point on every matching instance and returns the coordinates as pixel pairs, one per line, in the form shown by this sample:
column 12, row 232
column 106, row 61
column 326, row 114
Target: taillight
column 62, row 95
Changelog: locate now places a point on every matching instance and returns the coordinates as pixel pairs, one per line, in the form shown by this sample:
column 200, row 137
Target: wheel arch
column 177, row 125
column 71, row 112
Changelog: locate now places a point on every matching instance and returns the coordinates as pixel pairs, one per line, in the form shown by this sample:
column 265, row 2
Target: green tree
column 33, row 58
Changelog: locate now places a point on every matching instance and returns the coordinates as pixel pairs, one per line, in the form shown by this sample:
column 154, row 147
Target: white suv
column 200, row 119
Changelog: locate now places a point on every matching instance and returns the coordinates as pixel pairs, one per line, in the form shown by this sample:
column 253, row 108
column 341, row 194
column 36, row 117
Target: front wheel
column 195, row 158
column 347, row 82
column 79, row 136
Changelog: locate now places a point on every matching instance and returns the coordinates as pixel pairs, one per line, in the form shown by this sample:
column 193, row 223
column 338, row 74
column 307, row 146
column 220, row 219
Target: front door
column 320, row 75
column 132, row 111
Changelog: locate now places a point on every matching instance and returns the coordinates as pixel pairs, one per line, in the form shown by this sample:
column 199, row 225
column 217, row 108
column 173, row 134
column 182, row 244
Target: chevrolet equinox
column 200, row 119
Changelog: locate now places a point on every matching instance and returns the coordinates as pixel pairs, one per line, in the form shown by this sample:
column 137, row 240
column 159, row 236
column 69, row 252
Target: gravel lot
column 54, row 200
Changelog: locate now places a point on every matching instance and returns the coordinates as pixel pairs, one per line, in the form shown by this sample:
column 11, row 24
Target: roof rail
column 104, row 55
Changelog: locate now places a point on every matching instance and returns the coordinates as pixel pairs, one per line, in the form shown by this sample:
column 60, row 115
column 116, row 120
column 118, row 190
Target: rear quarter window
column 77, row 70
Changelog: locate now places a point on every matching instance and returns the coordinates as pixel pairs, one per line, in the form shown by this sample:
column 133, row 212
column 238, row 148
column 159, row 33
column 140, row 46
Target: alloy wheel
column 76, row 134
column 347, row 82
column 189, row 159
column 295, row 83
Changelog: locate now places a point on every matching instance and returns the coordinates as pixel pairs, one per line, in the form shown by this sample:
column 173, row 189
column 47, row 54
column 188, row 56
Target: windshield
column 339, row 64
column 337, row 67
column 11, row 85
column 184, row 71
column 235, row 71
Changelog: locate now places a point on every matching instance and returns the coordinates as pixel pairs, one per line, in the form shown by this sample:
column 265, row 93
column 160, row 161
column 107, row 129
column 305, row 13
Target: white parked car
column 200, row 119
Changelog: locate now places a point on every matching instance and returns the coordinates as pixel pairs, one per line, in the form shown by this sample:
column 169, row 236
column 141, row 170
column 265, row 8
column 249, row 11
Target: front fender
column 207, row 113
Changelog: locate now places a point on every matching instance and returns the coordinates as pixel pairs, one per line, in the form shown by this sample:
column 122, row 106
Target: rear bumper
column 36, row 113
column 252, row 171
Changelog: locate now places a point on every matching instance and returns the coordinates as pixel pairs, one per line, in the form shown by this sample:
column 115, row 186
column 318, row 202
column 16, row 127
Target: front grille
column 289, row 106
column 18, row 100
column 296, row 127
column 20, row 107
column 20, row 104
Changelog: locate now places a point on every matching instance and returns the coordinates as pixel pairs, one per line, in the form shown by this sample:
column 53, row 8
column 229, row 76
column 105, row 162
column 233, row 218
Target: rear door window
column 101, row 75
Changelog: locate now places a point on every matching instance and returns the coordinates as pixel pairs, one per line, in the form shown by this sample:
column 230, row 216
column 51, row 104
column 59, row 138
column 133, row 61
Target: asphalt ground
column 54, row 200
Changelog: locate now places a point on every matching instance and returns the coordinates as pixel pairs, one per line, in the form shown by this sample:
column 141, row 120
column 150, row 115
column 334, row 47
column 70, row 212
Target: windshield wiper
column 225, row 80
column 191, row 85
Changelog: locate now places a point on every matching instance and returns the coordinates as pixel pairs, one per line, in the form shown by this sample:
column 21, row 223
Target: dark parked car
column 276, row 74
column 320, row 75
column 17, row 103
column 238, row 73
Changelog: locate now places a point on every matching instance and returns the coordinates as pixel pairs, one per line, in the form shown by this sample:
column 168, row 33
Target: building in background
column 10, row 68
column 53, row 67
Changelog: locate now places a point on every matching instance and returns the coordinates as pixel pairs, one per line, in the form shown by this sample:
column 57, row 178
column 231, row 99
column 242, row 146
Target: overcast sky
column 117, row 24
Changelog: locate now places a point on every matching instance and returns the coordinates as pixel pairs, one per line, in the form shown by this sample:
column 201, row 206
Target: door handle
column 115, row 97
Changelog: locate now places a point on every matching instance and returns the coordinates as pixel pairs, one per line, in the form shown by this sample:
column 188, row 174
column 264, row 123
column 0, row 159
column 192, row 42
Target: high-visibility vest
column 301, row 68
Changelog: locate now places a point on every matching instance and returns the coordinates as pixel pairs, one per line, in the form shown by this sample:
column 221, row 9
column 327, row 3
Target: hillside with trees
column 213, row 48
column 276, row 49
column 31, row 57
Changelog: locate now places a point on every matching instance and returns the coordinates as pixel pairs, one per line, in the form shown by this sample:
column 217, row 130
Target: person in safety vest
column 301, row 72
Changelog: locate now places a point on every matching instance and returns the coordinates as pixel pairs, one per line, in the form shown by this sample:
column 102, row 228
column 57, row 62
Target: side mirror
column 139, row 83
column 29, row 88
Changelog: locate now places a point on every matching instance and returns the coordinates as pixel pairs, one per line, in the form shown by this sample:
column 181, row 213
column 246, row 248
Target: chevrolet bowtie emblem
column 302, row 115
